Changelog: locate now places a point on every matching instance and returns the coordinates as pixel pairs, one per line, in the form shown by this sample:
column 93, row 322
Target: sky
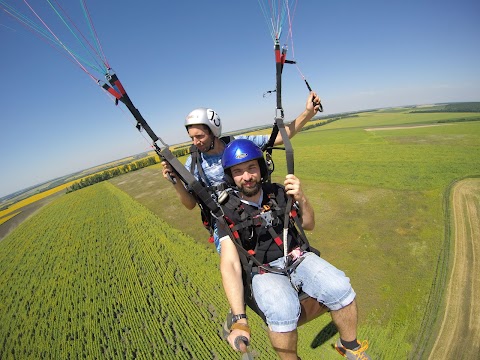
column 175, row 56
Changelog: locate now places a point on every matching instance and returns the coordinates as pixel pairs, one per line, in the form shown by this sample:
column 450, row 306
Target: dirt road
column 25, row 213
column 459, row 335
column 402, row 127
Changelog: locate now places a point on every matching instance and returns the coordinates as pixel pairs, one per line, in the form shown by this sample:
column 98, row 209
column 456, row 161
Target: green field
column 98, row 274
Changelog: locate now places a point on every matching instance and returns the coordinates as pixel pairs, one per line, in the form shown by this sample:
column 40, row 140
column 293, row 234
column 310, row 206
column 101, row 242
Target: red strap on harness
column 235, row 233
column 278, row 241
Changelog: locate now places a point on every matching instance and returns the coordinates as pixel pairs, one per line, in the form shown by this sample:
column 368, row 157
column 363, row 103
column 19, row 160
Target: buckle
column 267, row 216
column 295, row 253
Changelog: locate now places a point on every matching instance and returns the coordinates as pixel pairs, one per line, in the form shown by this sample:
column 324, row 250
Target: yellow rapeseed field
column 8, row 217
column 33, row 199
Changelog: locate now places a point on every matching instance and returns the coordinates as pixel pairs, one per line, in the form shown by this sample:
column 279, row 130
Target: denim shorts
column 278, row 299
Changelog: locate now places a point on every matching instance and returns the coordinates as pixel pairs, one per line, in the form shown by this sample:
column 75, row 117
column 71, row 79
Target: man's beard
column 249, row 191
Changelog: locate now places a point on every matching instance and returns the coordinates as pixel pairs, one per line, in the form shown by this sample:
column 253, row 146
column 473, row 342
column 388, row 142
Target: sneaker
column 357, row 354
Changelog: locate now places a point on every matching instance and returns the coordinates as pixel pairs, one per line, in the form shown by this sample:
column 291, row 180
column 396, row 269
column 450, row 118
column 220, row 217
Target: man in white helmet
column 204, row 128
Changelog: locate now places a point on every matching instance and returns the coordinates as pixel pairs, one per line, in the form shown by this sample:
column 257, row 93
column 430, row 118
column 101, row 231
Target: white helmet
column 204, row 116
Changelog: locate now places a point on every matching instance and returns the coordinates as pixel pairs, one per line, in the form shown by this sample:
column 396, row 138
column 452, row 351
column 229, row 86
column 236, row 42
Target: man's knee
column 280, row 305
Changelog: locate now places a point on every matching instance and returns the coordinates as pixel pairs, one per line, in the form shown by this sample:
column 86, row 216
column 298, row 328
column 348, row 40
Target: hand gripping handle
column 241, row 343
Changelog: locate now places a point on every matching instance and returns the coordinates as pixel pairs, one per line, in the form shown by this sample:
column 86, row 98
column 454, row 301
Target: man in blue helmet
column 255, row 255
column 204, row 127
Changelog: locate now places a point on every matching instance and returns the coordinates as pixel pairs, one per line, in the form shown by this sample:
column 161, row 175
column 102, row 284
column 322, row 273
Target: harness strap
column 303, row 236
column 197, row 160
column 198, row 164
column 197, row 187
column 275, row 237
column 265, row 268
column 165, row 153
column 250, row 263
column 211, row 189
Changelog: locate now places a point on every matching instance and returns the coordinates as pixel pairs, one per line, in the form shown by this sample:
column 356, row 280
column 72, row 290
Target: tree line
column 454, row 107
column 329, row 119
column 110, row 173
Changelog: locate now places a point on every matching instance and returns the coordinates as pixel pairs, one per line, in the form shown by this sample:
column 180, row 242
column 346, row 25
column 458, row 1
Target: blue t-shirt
column 212, row 164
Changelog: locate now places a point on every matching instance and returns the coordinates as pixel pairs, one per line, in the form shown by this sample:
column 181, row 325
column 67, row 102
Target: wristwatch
column 235, row 318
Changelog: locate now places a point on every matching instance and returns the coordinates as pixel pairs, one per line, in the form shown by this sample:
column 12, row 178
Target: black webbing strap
column 287, row 144
column 196, row 163
column 187, row 178
column 280, row 60
column 279, row 125
column 247, row 257
column 196, row 186
column 141, row 123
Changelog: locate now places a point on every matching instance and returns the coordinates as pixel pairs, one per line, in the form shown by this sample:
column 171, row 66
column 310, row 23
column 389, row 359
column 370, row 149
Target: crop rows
column 96, row 275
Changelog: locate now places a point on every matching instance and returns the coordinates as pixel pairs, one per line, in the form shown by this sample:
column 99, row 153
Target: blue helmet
column 239, row 151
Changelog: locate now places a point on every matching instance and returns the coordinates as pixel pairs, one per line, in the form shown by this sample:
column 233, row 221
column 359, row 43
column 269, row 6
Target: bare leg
column 285, row 344
column 346, row 321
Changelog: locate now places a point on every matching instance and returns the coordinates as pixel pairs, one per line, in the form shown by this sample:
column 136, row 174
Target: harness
column 196, row 163
column 255, row 233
